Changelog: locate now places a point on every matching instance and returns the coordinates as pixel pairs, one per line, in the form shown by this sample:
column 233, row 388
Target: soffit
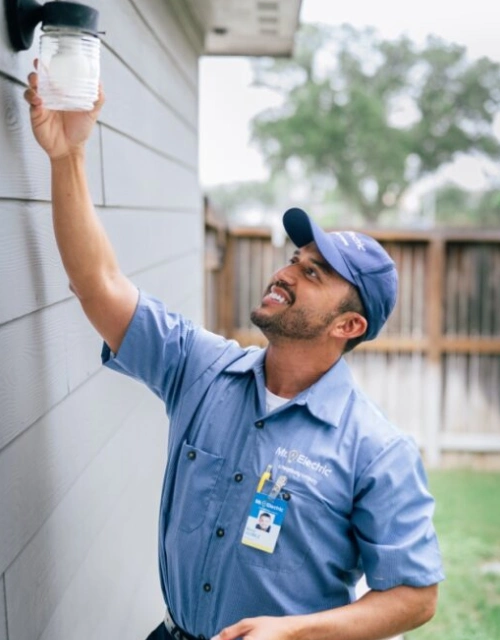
column 246, row 27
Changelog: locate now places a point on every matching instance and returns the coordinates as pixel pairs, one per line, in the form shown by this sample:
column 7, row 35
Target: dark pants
column 160, row 633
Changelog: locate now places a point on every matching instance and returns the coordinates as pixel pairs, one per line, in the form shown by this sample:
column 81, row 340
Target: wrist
column 300, row 628
column 76, row 154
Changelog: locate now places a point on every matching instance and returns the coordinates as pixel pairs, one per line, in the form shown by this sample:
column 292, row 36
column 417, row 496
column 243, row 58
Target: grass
column 467, row 520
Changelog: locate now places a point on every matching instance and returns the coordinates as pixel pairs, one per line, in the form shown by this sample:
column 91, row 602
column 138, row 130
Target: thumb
column 234, row 631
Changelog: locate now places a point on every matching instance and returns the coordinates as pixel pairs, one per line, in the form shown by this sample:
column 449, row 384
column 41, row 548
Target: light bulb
column 69, row 70
column 69, row 67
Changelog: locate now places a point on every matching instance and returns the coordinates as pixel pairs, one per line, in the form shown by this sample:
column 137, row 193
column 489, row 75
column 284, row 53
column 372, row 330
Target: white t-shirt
column 273, row 401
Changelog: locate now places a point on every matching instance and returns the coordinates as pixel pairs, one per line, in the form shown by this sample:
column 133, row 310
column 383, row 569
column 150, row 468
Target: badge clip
column 277, row 487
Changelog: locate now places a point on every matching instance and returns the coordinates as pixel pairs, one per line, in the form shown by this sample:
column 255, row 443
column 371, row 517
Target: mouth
column 278, row 295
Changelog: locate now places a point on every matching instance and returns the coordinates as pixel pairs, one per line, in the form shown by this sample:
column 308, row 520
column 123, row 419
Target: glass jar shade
column 68, row 69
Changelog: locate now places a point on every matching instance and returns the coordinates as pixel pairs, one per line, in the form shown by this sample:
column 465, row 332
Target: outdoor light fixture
column 69, row 63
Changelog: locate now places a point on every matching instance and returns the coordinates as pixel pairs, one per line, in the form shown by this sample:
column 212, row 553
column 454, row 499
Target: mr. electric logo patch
column 297, row 457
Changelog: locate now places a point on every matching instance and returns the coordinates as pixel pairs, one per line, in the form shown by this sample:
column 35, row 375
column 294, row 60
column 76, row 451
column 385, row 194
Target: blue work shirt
column 356, row 493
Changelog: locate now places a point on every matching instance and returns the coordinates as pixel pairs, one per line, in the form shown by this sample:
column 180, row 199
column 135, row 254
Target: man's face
column 302, row 300
column 264, row 521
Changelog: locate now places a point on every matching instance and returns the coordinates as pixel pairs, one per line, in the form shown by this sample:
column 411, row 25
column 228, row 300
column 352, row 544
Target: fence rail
column 435, row 368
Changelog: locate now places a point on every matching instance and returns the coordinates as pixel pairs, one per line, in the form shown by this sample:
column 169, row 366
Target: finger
column 35, row 63
column 101, row 97
column 32, row 98
column 33, row 80
column 99, row 102
column 234, row 631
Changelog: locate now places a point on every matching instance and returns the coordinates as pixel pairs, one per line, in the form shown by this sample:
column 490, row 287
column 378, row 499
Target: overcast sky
column 227, row 102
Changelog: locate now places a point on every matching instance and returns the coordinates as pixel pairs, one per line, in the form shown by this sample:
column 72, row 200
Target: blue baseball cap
column 358, row 258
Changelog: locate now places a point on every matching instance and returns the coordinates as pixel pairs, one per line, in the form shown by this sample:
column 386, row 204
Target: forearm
column 377, row 615
column 87, row 255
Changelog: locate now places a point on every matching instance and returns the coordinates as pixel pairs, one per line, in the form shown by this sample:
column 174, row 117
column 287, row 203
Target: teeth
column 277, row 297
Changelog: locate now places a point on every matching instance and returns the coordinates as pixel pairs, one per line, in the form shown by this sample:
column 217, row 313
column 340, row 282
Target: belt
column 176, row 632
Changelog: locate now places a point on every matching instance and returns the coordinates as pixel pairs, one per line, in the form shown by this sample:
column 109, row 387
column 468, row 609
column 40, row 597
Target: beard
column 295, row 324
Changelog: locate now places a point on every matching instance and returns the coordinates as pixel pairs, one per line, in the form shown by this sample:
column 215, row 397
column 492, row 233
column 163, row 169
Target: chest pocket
column 197, row 475
column 294, row 541
column 313, row 530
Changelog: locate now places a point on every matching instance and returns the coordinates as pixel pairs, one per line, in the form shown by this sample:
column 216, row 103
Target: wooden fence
column 435, row 368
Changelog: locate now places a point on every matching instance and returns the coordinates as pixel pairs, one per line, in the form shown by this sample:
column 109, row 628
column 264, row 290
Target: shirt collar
column 252, row 359
column 326, row 399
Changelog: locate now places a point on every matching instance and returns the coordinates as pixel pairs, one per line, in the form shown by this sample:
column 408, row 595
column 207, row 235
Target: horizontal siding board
column 143, row 178
column 180, row 286
column 39, row 577
column 30, row 264
column 45, row 356
column 190, row 307
column 38, row 468
column 29, row 260
column 106, row 581
column 3, row 614
column 147, row 51
column 143, row 239
column 83, row 346
column 133, row 109
column 49, row 353
column 145, row 609
column 33, row 377
column 162, row 19
column 24, row 167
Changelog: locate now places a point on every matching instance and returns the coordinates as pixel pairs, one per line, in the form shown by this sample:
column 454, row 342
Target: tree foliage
column 455, row 206
column 375, row 115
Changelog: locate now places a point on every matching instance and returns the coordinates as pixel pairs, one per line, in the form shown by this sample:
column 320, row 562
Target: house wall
column 82, row 449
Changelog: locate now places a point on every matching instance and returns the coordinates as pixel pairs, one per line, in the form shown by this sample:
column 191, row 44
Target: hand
column 60, row 133
column 261, row 628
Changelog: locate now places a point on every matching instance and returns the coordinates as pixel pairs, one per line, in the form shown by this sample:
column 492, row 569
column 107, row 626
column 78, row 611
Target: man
column 283, row 430
column 264, row 522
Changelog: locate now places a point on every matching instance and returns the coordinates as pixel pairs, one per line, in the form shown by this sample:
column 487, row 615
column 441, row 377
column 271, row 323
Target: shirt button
column 191, row 455
column 202, row 637
column 238, row 477
column 220, row 533
column 207, row 587
column 259, row 424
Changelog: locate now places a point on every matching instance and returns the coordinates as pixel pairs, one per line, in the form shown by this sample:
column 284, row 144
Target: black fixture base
column 22, row 18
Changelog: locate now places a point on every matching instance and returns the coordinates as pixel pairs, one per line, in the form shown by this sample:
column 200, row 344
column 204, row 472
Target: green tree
column 373, row 115
column 236, row 197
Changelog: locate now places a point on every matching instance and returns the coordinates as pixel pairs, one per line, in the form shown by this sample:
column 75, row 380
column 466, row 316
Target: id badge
column 264, row 522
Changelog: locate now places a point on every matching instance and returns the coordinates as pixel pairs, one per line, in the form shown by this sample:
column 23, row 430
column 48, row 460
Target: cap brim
column 302, row 230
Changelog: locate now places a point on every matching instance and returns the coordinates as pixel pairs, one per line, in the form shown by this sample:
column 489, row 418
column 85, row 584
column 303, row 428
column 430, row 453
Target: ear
column 349, row 325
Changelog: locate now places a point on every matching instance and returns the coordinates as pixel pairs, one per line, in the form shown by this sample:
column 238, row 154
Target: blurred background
column 266, row 133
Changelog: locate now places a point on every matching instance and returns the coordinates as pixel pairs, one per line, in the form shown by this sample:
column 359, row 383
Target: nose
column 286, row 273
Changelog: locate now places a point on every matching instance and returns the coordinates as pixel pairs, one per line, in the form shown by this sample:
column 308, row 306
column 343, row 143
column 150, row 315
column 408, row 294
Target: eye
column 311, row 272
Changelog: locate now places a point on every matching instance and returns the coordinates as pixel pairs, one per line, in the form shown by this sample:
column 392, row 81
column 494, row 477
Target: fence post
column 225, row 302
column 435, row 368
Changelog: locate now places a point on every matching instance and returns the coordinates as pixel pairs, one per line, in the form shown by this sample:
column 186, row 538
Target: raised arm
column 106, row 295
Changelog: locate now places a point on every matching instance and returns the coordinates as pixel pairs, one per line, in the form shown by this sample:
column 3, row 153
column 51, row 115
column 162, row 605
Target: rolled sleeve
column 392, row 520
column 163, row 350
